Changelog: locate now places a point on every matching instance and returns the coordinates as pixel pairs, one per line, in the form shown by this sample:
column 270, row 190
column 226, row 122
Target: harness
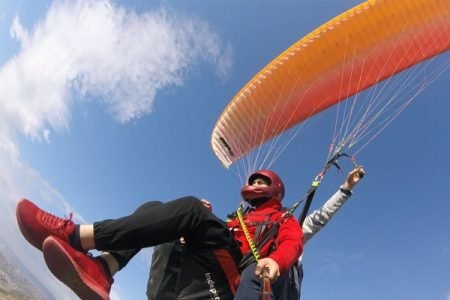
column 266, row 232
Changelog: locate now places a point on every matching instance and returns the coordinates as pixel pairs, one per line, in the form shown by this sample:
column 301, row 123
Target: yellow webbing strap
column 265, row 282
column 247, row 235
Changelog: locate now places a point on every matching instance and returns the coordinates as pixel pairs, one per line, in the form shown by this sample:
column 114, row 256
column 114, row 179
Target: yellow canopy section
column 355, row 50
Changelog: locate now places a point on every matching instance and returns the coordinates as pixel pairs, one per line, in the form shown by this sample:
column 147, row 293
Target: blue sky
column 94, row 126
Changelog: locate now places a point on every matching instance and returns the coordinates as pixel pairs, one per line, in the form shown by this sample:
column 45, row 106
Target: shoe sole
column 67, row 271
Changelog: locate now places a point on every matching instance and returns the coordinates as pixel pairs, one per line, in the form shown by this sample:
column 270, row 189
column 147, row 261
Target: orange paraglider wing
column 359, row 48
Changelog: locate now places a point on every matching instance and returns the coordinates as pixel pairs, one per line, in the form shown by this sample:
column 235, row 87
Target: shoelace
column 56, row 222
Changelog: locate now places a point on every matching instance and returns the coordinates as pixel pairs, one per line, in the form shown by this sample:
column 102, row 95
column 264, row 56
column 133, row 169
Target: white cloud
column 334, row 262
column 87, row 49
column 100, row 51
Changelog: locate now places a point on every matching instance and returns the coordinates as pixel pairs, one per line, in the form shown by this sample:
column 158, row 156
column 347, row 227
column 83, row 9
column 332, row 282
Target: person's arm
column 315, row 221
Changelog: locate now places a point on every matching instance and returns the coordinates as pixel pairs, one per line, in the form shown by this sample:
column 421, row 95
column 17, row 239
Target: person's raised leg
column 88, row 277
column 36, row 225
column 186, row 217
column 117, row 260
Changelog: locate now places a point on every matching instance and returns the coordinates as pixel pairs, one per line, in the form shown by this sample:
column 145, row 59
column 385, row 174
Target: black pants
column 155, row 223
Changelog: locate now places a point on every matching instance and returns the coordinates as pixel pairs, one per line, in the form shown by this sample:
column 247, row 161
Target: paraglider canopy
column 356, row 50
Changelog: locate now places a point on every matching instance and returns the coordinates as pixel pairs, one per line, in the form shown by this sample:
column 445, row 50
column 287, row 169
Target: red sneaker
column 36, row 224
column 84, row 274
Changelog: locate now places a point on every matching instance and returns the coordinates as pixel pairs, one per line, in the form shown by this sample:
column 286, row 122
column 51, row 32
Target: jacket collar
column 271, row 203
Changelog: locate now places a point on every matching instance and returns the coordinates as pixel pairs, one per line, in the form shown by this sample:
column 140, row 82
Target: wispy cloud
column 334, row 263
column 102, row 52
column 87, row 50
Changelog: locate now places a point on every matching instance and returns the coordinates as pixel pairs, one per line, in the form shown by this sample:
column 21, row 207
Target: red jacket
column 288, row 243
